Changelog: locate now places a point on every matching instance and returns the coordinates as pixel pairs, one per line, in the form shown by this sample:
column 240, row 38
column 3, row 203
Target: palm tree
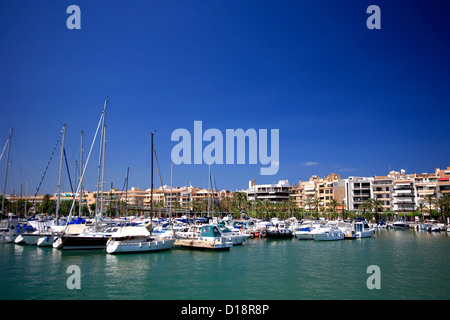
column 421, row 207
column 430, row 199
column 333, row 204
column 316, row 203
column 444, row 205
column 376, row 206
column 309, row 201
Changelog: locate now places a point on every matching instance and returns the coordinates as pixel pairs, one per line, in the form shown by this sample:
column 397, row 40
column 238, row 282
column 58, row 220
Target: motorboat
column 303, row 232
column 210, row 239
column 362, row 229
column 400, row 224
column 235, row 237
column 137, row 239
column 327, row 233
column 279, row 230
column 192, row 232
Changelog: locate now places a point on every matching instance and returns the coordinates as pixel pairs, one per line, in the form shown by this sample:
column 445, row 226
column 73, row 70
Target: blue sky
column 345, row 99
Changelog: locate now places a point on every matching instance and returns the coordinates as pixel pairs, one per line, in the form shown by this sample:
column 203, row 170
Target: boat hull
column 329, row 236
column 132, row 246
column 280, row 234
column 364, row 234
column 46, row 241
column 30, row 238
column 303, row 235
column 81, row 242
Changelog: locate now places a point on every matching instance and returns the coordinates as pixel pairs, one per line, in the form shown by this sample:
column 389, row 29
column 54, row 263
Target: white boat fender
column 140, row 244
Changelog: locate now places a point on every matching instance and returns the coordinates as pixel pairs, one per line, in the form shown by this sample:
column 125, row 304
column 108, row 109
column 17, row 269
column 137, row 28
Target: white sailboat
column 8, row 230
column 92, row 239
column 137, row 239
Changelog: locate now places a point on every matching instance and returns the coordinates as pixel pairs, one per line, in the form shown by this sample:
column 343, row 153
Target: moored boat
column 137, row 239
column 279, row 231
column 362, row 229
column 327, row 234
column 211, row 239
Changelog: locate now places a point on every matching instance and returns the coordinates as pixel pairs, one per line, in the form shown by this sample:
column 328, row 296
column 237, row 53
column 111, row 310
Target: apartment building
column 357, row 191
column 425, row 184
column 382, row 188
column 275, row 192
column 331, row 188
column 325, row 189
column 443, row 183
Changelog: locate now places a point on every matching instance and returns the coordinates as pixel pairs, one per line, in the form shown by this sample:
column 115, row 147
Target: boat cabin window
column 216, row 232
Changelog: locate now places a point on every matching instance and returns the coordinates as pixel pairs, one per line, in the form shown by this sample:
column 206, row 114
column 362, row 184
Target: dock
column 203, row 245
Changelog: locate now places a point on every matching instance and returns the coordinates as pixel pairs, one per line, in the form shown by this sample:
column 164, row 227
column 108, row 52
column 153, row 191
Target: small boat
column 235, row 237
column 400, row 224
column 279, row 231
column 210, row 239
column 362, row 229
column 137, row 239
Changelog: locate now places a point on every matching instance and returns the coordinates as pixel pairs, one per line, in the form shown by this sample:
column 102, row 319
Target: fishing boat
column 279, row 231
column 137, row 239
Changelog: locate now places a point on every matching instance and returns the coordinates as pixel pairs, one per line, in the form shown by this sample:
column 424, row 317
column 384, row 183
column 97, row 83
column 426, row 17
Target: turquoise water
column 413, row 265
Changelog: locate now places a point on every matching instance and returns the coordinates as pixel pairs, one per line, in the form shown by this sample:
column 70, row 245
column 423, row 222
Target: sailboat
column 98, row 236
column 44, row 234
column 139, row 239
column 8, row 229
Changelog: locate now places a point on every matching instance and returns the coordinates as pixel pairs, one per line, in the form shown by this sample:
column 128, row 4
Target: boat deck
column 203, row 245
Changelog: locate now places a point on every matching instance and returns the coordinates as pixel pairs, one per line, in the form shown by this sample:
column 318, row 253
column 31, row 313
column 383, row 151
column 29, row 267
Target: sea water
column 412, row 265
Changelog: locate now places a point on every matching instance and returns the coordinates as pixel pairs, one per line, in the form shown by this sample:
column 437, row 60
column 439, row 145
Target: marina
column 414, row 264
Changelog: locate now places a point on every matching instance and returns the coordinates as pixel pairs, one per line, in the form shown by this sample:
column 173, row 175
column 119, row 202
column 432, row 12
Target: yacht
column 327, row 233
column 279, row 230
column 235, row 237
column 84, row 240
column 210, row 239
column 400, row 224
column 304, row 231
column 137, row 239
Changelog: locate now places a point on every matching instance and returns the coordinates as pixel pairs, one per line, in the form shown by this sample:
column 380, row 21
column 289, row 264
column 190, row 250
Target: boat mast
column 209, row 187
column 60, row 172
column 151, row 183
column 81, row 178
column 99, row 166
column 6, row 170
column 170, row 204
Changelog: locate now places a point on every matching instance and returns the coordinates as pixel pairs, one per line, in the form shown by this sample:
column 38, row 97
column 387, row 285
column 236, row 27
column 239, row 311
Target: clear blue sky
column 346, row 99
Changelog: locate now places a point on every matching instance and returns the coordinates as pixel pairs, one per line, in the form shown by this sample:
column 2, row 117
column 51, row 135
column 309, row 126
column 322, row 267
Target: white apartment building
column 357, row 191
column 273, row 192
column 382, row 189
